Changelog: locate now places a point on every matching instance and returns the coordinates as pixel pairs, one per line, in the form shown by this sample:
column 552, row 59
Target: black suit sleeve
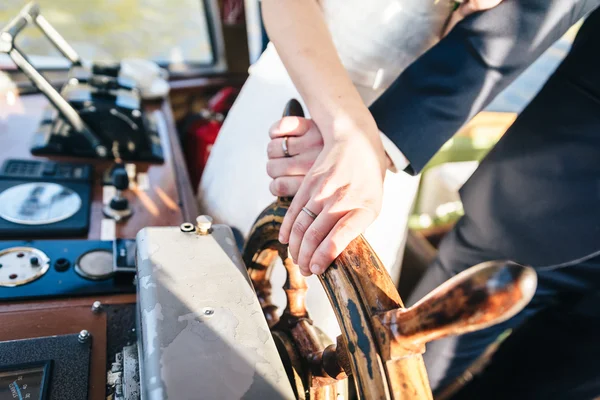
column 454, row 80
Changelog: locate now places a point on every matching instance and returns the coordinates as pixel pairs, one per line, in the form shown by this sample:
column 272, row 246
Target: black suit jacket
column 536, row 197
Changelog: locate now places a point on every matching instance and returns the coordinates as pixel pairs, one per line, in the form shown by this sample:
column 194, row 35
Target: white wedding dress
column 376, row 40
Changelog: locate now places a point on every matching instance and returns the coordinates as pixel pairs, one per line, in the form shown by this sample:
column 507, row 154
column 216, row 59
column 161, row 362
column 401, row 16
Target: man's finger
column 289, row 126
column 300, row 199
column 286, row 186
column 315, row 235
column 348, row 228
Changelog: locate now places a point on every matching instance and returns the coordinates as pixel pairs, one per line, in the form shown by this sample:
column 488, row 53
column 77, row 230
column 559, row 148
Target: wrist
column 363, row 139
column 348, row 125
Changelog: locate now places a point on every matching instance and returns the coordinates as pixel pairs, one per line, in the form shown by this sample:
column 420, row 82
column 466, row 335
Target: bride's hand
column 343, row 189
column 304, row 143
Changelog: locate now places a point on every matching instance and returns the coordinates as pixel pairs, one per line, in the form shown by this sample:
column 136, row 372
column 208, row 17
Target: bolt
column 34, row 261
column 208, row 311
column 101, row 151
column 96, row 307
column 84, row 336
column 204, row 223
column 187, row 227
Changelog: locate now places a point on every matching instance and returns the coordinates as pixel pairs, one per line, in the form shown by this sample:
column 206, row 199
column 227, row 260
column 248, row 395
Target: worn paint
column 187, row 352
column 362, row 340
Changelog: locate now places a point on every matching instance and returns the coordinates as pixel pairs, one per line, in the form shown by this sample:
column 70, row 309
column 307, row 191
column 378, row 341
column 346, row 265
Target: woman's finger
column 347, row 228
column 300, row 199
column 292, row 166
column 275, row 147
column 290, row 126
column 316, row 234
column 285, row 186
column 312, row 140
column 301, row 225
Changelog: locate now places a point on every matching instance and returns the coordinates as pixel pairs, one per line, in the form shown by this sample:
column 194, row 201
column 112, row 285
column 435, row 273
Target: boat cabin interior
column 116, row 282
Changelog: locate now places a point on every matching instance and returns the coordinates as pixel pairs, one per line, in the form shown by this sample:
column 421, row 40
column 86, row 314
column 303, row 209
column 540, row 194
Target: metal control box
column 202, row 331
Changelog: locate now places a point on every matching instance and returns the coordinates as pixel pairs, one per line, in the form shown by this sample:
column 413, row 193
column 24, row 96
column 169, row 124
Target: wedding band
column 310, row 213
column 284, row 146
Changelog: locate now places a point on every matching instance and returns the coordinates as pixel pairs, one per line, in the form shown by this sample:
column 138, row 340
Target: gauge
column 23, row 383
column 96, row 264
column 38, row 203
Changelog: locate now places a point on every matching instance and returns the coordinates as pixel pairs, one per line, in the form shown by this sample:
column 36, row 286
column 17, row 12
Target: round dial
column 20, row 265
column 95, row 264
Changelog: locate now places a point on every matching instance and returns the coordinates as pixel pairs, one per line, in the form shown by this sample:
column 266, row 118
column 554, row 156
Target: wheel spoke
column 295, row 289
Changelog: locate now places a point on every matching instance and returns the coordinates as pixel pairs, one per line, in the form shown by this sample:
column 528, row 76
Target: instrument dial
column 38, row 203
column 23, row 384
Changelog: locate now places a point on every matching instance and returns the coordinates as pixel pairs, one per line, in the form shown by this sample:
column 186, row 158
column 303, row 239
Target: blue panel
column 57, row 283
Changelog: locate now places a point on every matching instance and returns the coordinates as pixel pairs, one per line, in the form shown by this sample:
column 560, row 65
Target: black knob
column 293, row 108
column 34, row 261
column 62, row 264
column 108, row 68
column 119, row 203
column 120, row 178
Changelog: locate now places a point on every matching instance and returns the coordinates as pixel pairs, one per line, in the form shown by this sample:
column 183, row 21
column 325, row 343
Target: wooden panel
column 62, row 319
column 163, row 204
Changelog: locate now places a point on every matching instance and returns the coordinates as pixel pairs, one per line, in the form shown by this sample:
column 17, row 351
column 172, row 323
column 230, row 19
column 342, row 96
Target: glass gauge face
column 22, row 384
column 38, row 203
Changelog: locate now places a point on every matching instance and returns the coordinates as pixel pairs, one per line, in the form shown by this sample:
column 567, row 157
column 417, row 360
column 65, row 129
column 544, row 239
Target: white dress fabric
column 376, row 41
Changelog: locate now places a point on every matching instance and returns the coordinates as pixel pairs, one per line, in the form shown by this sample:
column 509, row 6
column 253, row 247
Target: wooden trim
column 188, row 202
column 68, row 302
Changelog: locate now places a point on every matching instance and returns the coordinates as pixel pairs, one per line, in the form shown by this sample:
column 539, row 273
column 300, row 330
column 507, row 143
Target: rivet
column 208, row 311
column 96, row 307
column 84, row 336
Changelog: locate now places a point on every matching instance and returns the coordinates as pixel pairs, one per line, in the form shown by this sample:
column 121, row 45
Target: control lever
column 118, row 208
column 479, row 297
column 31, row 13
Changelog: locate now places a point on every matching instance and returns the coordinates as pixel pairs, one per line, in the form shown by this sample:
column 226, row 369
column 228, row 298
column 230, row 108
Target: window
column 181, row 34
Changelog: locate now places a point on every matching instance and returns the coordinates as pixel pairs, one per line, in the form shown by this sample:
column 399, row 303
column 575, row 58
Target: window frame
column 185, row 70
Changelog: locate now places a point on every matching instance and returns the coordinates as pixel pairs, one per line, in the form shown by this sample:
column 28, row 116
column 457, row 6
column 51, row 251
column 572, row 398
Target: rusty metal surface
column 203, row 334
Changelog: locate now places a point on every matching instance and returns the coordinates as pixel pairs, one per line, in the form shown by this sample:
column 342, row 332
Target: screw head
column 96, row 307
column 187, row 227
column 101, row 151
column 209, row 311
column 84, row 336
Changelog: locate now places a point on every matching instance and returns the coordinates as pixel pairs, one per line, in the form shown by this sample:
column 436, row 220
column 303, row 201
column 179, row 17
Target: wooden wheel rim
column 354, row 298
